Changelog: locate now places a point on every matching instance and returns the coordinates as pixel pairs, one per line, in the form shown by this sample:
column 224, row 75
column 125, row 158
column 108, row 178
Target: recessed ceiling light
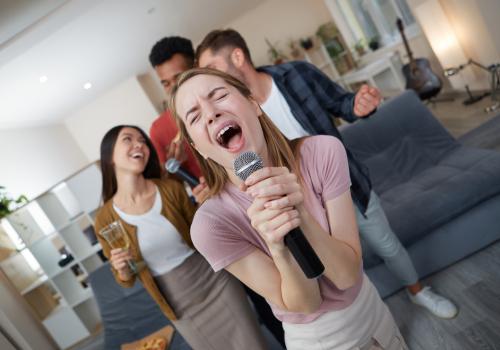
column 43, row 79
column 87, row 86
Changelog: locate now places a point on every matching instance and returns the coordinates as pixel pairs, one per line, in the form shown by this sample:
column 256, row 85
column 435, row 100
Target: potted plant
column 306, row 43
column 360, row 47
column 327, row 32
column 8, row 204
column 275, row 55
column 374, row 43
column 294, row 50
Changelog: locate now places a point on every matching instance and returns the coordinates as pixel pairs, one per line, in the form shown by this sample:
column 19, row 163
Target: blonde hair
column 282, row 152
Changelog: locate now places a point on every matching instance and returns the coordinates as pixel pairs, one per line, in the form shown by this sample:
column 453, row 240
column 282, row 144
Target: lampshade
column 443, row 40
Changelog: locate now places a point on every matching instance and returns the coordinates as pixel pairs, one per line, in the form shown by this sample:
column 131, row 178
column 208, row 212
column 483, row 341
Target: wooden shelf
column 35, row 284
column 11, row 256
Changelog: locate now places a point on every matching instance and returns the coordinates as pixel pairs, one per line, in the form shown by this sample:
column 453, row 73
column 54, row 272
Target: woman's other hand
column 201, row 191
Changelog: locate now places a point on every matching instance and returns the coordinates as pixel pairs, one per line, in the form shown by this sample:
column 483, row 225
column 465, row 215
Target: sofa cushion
column 398, row 163
column 432, row 197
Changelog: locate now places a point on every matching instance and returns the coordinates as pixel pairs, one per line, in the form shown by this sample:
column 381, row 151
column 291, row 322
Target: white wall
column 34, row 159
column 152, row 88
column 126, row 103
column 475, row 30
column 475, row 24
column 279, row 21
column 490, row 10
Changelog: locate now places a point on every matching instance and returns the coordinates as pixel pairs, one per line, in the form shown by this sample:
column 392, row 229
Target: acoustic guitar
column 418, row 73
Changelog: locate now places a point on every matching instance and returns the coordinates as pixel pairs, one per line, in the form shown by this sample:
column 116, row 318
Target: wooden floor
column 458, row 118
column 474, row 285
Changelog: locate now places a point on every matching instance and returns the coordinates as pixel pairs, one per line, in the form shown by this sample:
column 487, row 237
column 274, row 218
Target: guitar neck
column 408, row 50
column 399, row 24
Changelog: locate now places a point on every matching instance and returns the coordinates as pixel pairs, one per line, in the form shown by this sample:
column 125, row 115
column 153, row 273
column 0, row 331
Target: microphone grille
column 172, row 165
column 247, row 163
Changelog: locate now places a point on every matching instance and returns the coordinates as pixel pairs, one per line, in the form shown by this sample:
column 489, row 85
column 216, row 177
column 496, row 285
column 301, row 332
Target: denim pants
column 375, row 230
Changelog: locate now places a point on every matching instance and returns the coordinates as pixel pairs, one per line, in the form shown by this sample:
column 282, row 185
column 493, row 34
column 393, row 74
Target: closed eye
column 221, row 96
column 193, row 119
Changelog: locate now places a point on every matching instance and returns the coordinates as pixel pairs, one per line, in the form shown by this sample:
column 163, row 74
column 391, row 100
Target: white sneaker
column 435, row 303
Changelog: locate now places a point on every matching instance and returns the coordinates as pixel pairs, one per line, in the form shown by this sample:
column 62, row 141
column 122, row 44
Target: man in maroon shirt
column 170, row 57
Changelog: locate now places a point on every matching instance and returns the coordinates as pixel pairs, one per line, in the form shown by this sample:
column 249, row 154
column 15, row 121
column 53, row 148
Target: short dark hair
column 164, row 49
column 109, row 183
column 221, row 38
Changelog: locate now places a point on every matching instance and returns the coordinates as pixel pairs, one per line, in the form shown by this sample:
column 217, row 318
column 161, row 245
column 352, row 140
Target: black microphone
column 174, row 167
column 244, row 165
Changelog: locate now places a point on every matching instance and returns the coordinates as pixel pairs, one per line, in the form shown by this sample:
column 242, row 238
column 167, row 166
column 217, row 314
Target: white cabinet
column 58, row 224
column 385, row 73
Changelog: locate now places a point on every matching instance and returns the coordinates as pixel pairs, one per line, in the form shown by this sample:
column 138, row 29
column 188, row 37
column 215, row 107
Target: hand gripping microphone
column 174, row 167
column 244, row 165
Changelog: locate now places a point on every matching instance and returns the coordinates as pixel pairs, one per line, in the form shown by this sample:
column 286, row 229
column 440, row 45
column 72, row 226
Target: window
column 376, row 18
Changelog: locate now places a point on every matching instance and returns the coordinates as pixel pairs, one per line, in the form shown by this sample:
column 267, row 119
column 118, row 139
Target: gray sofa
column 441, row 198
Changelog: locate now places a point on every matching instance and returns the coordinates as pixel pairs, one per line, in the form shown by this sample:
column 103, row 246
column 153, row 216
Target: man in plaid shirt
column 301, row 101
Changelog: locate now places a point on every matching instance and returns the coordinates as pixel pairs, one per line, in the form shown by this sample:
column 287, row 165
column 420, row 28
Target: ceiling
column 72, row 42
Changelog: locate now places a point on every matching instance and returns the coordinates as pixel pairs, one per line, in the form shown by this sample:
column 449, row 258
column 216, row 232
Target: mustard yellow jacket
column 177, row 208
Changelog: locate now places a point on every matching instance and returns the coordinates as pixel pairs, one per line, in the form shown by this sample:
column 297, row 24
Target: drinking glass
column 116, row 237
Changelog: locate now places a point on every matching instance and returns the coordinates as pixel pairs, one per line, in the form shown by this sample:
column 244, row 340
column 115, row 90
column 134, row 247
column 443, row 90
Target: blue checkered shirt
column 314, row 99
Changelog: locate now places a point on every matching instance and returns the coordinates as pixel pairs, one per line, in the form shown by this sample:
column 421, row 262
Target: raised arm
column 331, row 96
column 324, row 161
column 339, row 102
column 339, row 250
column 224, row 236
column 278, row 278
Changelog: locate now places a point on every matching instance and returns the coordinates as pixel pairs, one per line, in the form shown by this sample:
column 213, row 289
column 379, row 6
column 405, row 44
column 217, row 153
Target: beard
column 235, row 72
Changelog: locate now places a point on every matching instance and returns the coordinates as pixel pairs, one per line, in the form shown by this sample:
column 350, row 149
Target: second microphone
column 174, row 167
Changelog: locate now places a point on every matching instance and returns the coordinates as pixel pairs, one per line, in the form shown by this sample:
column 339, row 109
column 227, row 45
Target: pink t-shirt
column 223, row 234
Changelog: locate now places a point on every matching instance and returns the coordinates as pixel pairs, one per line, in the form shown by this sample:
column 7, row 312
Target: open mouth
column 229, row 136
column 137, row 156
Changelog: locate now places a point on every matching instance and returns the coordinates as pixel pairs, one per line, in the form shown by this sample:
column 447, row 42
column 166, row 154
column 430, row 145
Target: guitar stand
column 434, row 100
column 494, row 71
column 473, row 99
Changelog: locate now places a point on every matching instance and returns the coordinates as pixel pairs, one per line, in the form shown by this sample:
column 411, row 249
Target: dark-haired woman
column 209, row 309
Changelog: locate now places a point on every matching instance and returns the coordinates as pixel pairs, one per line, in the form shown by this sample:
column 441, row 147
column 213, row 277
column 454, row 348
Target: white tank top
column 161, row 245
